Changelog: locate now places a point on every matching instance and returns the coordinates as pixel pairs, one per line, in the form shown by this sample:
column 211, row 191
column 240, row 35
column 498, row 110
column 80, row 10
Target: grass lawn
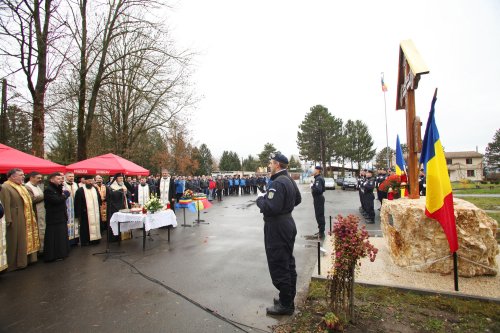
column 383, row 309
column 485, row 203
column 475, row 188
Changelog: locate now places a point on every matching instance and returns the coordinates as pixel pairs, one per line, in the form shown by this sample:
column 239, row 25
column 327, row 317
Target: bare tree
column 97, row 26
column 29, row 30
column 147, row 87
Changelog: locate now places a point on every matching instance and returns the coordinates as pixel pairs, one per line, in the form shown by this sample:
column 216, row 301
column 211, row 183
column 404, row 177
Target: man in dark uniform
column 277, row 205
column 422, row 183
column 368, row 187
column 381, row 175
column 361, row 181
column 317, row 189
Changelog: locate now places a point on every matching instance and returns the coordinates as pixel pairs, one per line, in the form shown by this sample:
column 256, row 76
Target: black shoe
column 276, row 301
column 369, row 221
column 279, row 310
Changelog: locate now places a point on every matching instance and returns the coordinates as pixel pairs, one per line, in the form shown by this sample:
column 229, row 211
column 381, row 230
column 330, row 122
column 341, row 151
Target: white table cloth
column 129, row 221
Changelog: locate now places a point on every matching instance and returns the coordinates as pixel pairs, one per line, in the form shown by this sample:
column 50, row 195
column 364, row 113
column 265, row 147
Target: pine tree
column 319, row 136
column 493, row 152
column 359, row 143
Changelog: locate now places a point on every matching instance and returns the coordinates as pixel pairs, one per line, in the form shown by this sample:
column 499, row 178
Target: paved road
column 220, row 266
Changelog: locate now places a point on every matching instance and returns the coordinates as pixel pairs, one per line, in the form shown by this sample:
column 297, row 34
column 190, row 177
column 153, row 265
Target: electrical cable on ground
column 204, row 308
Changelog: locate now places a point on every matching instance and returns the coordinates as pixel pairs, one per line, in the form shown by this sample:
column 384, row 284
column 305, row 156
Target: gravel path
column 384, row 272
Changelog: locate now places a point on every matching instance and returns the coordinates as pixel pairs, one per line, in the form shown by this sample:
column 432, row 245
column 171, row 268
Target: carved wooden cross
column 411, row 66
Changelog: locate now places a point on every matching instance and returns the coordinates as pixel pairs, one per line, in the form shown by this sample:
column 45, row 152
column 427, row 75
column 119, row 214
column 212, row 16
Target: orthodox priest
column 165, row 189
column 70, row 186
column 102, row 189
column 22, row 230
column 56, row 246
column 87, row 211
column 118, row 198
column 3, row 243
column 33, row 185
column 142, row 192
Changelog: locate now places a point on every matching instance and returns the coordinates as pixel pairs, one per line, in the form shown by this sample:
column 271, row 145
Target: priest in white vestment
column 87, row 211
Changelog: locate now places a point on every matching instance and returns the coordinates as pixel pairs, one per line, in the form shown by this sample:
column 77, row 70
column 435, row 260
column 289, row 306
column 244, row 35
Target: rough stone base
column 418, row 242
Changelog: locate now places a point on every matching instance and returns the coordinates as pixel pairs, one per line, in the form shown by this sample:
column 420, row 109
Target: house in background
column 464, row 165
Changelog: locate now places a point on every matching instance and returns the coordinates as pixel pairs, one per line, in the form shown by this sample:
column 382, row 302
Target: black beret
column 88, row 177
column 118, row 175
column 318, row 167
column 279, row 157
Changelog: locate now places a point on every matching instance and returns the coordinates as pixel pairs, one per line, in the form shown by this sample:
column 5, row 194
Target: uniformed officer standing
column 277, row 205
column 422, row 183
column 361, row 180
column 317, row 189
column 368, row 187
column 381, row 176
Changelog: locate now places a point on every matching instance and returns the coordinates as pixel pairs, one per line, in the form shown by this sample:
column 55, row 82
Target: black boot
column 276, row 301
column 279, row 310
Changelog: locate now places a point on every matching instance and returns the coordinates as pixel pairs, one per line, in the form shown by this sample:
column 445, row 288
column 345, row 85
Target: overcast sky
column 263, row 64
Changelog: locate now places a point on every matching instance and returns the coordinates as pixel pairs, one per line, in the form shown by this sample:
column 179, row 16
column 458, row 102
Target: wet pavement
column 185, row 285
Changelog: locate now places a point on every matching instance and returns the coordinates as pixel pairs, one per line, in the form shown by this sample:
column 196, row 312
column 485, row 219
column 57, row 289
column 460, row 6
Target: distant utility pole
column 3, row 113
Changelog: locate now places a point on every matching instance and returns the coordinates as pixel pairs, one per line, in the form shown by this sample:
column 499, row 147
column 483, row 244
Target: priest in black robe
column 56, row 244
column 118, row 198
column 87, row 211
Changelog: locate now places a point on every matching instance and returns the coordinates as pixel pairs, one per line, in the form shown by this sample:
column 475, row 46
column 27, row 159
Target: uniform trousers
column 368, row 204
column 279, row 240
column 319, row 211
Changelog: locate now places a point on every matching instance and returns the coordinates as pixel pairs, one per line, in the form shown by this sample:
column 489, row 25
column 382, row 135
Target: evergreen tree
column 205, row 160
column 493, row 152
column 294, row 165
column 18, row 130
column 229, row 161
column 264, row 155
column 319, row 136
column 359, row 143
column 381, row 158
column 251, row 164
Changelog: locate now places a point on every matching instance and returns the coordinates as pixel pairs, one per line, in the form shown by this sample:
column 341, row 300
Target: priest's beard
column 89, row 186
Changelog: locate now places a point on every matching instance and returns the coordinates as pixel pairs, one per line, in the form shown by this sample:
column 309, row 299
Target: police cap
column 318, row 167
column 279, row 157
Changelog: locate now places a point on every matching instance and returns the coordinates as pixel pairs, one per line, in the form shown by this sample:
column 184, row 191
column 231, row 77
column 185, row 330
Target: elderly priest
column 87, row 211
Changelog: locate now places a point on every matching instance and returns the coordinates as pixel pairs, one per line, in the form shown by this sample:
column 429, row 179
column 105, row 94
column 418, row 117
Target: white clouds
column 263, row 64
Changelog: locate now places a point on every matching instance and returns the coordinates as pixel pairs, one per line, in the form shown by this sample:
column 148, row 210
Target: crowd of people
column 45, row 219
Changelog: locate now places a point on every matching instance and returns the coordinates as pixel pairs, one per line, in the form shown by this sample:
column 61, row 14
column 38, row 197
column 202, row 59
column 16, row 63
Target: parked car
column 329, row 183
column 351, row 183
column 339, row 181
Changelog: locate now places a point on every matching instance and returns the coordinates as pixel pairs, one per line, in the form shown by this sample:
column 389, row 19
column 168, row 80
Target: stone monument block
column 419, row 243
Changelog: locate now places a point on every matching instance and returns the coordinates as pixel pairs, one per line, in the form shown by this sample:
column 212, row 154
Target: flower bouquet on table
column 153, row 204
column 187, row 197
column 392, row 185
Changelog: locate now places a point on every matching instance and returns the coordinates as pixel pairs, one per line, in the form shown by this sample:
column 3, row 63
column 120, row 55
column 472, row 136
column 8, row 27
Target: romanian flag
column 400, row 166
column 384, row 87
column 439, row 197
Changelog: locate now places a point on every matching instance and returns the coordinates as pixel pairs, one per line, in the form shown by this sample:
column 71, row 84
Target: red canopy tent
column 11, row 158
column 107, row 164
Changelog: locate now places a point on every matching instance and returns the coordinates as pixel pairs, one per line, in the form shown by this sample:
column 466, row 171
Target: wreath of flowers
column 188, row 194
column 392, row 182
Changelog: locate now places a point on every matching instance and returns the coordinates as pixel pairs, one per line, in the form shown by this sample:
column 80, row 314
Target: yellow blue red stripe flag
column 400, row 165
column 439, row 197
column 400, row 161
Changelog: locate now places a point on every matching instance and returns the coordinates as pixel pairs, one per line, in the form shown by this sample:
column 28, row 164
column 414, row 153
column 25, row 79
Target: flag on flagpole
column 439, row 196
column 384, row 87
column 400, row 166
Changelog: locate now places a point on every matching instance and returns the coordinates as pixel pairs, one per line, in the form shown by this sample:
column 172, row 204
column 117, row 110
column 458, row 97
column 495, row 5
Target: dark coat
column 56, row 244
column 55, row 205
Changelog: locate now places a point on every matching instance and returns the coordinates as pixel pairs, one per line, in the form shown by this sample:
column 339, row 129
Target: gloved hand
column 260, row 194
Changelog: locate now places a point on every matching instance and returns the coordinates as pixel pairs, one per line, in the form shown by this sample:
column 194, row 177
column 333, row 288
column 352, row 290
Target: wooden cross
column 411, row 66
